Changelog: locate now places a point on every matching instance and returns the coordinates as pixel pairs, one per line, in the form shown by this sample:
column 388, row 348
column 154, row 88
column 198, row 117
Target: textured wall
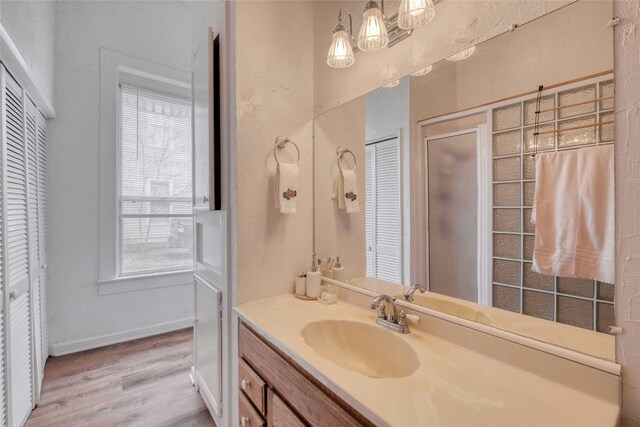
column 274, row 95
column 154, row 31
column 32, row 26
column 627, row 298
column 457, row 25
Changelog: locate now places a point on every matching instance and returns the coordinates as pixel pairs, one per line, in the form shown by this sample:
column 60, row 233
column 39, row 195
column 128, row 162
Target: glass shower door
column 452, row 214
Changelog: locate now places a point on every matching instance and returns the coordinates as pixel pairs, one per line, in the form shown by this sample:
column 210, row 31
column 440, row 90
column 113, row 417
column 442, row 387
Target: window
column 155, row 214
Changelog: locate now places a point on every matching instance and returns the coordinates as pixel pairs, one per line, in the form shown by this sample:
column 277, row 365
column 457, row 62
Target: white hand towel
column 350, row 191
column 286, row 187
column 338, row 190
column 574, row 214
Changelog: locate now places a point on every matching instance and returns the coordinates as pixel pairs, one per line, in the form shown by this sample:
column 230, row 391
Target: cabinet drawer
column 252, row 385
column 280, row 415
column 247, row 415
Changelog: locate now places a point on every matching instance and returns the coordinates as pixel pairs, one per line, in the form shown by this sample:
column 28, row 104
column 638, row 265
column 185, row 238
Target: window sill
column 119, row 285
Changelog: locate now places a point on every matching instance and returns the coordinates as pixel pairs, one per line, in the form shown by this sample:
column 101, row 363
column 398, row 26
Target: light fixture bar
column 396, row 34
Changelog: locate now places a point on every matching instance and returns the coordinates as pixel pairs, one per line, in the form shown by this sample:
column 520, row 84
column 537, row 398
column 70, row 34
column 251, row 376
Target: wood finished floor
column 138, row 383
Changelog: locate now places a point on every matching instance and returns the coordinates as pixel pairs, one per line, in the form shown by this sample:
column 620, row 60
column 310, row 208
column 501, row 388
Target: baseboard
column 132, row 334
column 214, row 409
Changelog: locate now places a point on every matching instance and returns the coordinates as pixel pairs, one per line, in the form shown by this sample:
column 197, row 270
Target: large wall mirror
column 433, row 180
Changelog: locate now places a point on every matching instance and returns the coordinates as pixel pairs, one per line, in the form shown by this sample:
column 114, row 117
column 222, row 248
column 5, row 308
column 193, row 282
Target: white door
column 31, row 140
column 208, row 336
column 15, row 247
column 383, row 218
column 208, row 242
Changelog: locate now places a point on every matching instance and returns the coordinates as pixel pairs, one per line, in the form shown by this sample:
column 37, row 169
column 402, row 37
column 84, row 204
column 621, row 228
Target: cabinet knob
column 244, row 384
column 244, row 421
column 13, row 294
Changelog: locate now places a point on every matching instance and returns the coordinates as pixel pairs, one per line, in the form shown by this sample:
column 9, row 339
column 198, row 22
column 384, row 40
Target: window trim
column 116, row 68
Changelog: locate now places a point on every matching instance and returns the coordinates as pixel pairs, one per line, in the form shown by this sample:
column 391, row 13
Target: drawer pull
column 244, row 421
column 244, row 384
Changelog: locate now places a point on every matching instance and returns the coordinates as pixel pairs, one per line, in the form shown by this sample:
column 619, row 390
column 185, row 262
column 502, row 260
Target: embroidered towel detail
column 286, row 187
column 573, row 211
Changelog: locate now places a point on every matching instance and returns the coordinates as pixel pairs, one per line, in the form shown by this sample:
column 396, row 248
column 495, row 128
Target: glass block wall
column 516, row 287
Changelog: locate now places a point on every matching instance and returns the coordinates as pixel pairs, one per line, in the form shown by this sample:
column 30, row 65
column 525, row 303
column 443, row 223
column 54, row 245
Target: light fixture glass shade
column 462, row 55
column 415, row 13
column 422, row 71
column 373, row 31
column 392, row 83
column 340, row 53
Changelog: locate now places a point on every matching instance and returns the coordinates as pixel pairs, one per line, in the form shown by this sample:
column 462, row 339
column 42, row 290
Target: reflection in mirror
column 445, row 177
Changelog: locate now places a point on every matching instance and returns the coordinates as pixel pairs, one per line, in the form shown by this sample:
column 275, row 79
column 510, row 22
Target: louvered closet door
column 17, row 257
column 3, row 299
column 41, row 126
column 34, row 241
column 370, row 208
column 384, row 229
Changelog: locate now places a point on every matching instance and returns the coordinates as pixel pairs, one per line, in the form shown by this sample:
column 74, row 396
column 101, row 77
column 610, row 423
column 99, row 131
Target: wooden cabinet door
column 280, row 415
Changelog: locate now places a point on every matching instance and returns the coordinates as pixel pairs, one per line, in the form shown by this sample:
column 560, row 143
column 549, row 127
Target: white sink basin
column 366, row 349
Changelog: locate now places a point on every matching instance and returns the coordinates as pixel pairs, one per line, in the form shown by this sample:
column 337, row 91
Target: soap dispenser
column 338, row 270
column 314, row 279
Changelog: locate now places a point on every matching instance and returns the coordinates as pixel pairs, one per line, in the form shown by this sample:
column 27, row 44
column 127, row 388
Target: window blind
column 156, row 231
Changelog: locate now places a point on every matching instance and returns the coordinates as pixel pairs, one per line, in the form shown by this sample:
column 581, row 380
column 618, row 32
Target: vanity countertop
column 453, row 386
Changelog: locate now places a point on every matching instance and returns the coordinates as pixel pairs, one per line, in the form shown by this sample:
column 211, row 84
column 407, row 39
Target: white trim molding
column 124, row 284
column 118, row 337
column 485, row 216
column 15, row 63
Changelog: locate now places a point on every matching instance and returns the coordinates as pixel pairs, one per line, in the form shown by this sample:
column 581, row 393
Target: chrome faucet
column 388, row 316
column 408, row 296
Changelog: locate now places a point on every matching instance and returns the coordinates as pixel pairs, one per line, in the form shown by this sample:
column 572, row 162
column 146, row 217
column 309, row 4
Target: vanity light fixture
column 376, row 31
column 415, row 13
column 423, row 71
column 392, row 83
column 462, row 55
column 340, row 53
column 373, row 34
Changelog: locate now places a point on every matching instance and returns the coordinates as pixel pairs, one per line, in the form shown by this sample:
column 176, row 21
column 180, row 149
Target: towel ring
column 341, row 151
column 281, row 142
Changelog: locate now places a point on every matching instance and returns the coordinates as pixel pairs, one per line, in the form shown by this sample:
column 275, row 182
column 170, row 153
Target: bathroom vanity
column 332, row 365
column 443, row 165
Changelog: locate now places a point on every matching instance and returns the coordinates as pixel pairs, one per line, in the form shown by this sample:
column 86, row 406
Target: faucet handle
column 402, row 318
column 381, row 311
